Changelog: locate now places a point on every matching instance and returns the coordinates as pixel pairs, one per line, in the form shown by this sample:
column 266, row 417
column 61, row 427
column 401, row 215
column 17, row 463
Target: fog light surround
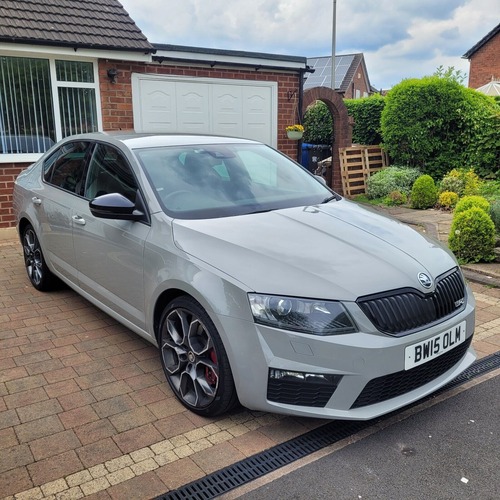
column 301, row 388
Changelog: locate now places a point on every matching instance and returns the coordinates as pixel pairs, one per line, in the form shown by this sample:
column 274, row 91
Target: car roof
column 134, row 140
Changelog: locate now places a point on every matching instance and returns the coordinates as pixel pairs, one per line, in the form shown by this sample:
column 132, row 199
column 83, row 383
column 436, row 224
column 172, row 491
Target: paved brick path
column 85, row 410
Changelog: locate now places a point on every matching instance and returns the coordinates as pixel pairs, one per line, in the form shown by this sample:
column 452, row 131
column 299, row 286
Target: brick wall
column 116, row 104
column 485, row 64
column 8, row 173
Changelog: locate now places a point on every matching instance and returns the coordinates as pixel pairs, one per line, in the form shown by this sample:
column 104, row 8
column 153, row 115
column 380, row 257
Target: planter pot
column 294, row 134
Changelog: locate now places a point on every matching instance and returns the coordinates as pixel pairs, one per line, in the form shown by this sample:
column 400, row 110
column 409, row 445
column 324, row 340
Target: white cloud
column 399, row 39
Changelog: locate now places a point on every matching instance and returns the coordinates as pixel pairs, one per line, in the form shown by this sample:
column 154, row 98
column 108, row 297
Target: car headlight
column 316, row 317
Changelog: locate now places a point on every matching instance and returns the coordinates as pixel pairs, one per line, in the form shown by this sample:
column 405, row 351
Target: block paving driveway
column 85, row 410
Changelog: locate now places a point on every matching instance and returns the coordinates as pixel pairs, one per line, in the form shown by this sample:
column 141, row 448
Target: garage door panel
column 256, row 111
column 227, row 110
column 159, row 106
column 193, row 115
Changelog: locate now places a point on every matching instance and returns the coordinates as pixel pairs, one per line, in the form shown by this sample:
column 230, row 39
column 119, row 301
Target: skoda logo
column 425, row 281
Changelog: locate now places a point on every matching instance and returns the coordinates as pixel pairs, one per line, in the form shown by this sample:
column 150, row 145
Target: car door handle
column 36, row 201
column 79, row 220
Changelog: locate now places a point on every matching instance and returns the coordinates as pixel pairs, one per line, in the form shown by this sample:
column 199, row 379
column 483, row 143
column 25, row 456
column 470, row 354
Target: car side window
column 109, row 172
column 65, row 167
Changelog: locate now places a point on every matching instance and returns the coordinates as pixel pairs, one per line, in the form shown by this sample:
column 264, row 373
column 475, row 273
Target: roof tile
column 101, row 24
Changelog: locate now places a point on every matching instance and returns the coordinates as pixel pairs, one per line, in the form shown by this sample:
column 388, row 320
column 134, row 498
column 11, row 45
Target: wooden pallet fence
column 357, row 163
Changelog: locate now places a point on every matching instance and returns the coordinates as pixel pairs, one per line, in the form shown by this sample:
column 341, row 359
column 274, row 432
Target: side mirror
column 115, row 206
column 321, row 179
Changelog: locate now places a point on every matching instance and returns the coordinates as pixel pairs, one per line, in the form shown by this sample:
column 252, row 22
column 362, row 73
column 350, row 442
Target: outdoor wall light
column 112, row 75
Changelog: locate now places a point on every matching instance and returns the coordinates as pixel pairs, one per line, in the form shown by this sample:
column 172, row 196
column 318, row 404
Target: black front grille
column 393, row 385
column 407, row 310
column 293, row 391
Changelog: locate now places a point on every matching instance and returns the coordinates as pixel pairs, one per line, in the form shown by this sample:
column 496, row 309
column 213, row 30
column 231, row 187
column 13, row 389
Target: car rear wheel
column 194, row 359
column 38, row 272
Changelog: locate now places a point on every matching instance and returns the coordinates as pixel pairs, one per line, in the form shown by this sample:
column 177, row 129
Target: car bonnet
column 334, row 251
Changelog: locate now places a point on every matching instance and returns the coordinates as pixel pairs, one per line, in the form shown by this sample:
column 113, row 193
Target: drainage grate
column 247, row 470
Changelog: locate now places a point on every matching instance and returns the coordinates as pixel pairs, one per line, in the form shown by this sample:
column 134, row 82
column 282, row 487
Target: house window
column 43, row 100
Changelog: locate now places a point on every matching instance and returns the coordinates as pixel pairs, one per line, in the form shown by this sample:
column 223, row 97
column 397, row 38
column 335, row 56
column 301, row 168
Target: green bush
column 436, row 124
column 395, row 198
column 391, row 179
column 366, row 113
column 468, row 202
column 463, row 181
column 424, row 192
column 452, row 183
column 318, row 124
column 495, row 214
column 472, row 236
column 448, row 200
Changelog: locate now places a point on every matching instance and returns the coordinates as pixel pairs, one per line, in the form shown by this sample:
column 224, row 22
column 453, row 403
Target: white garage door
column 206, row 106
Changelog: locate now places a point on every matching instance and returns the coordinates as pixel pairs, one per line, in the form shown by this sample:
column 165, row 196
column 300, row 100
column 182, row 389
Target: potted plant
column 295, row 131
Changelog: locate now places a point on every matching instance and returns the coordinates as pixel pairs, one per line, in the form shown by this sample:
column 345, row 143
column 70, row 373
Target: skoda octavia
column 256, row 281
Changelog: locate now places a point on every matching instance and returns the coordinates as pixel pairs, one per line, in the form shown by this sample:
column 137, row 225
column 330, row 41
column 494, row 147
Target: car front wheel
column 38, row 272
column 194, row 359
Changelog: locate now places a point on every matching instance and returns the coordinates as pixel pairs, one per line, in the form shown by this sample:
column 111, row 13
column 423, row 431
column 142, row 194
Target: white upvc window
column 44, row 99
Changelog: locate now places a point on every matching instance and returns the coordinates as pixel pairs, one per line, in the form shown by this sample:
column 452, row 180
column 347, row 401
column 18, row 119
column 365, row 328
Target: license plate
column 428, row 349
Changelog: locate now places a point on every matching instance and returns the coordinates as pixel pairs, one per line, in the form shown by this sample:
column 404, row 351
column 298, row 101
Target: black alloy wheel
column 194, row 359
column 38, row 272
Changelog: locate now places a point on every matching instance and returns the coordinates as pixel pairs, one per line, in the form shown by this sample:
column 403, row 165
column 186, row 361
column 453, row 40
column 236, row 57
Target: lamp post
column 334, row 24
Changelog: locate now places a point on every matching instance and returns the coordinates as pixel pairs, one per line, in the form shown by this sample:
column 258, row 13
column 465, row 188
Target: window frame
column 55, row 85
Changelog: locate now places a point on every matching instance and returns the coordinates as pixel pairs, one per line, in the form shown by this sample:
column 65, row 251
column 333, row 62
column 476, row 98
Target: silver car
column 257, row 282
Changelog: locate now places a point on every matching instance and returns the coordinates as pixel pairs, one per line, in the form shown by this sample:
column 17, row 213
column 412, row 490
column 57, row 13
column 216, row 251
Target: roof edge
column 482, row 42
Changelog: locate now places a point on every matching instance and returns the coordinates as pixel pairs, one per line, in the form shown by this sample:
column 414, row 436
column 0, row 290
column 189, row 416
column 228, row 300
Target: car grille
column 403, row 311
column 393, row 385
column 301, row 393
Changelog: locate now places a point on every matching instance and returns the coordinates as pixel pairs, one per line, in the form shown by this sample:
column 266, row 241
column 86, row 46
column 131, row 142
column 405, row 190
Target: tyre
column 194, row 359
column 38, row 272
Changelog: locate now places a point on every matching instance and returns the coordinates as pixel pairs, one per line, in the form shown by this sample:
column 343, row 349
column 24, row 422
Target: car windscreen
column 222, row 180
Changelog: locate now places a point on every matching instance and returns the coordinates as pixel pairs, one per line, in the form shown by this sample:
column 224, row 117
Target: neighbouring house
column 71, row 67
column 484, row 59
column 351, row 75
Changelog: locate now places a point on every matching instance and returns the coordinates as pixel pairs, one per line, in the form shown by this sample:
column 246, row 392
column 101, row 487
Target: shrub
column 366, row 112
column 318, row 124
column 472, row 236
column 452, row 182
column 462, row 181
column 495, row 213
column 436, row 124
column 395, row 198
column 391, row 179
column 468, row 202
column 448, row 200
column 423, row 192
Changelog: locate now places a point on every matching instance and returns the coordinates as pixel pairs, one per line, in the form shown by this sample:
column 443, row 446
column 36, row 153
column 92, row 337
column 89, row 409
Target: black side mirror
column 115, row 206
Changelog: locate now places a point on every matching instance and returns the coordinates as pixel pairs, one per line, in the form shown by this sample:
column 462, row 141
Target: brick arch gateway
column 342, row 128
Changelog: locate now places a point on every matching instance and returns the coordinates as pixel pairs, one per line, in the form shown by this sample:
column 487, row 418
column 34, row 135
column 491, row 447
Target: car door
column 110, row 253
column 63, row 174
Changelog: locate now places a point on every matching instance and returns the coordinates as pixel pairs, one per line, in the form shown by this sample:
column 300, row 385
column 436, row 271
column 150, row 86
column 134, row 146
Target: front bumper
column 370, row 381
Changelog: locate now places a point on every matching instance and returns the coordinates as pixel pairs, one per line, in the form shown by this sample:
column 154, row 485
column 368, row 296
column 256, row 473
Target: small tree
column 318, row 124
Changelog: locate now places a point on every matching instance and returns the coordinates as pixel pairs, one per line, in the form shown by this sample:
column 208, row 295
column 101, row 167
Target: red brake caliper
column 210, row 375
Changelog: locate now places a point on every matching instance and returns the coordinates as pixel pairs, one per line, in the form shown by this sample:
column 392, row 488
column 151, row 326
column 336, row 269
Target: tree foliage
column 436, row 124
column 318, row 124
column 366, row 113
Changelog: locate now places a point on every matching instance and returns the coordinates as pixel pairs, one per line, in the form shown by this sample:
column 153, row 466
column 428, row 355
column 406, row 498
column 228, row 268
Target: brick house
column 484, row 59
column 351, row 75
column 72, row 67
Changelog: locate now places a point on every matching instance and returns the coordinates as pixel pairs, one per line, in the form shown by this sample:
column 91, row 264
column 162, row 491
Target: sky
column 399, row 38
